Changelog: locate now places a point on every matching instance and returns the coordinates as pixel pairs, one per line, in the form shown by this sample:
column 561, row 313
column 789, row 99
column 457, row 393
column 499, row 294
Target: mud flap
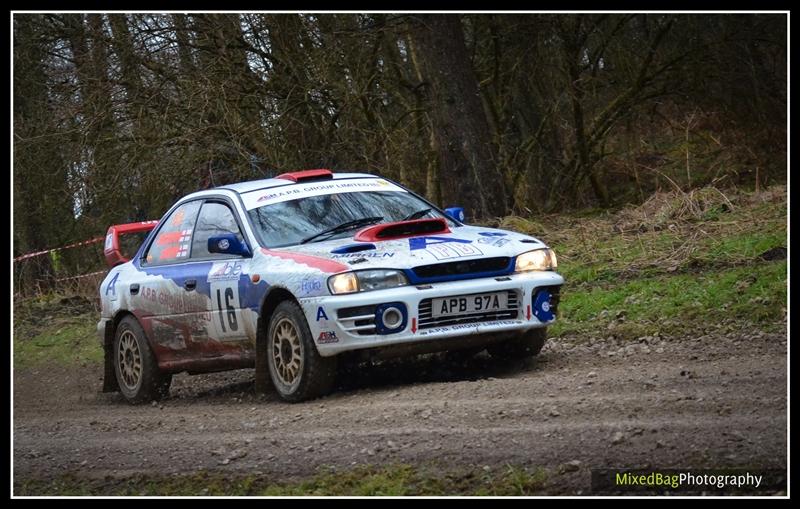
column 110, row 383
column 262, row 370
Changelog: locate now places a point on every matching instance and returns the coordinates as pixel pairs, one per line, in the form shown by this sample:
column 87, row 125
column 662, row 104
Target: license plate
column 469, row 304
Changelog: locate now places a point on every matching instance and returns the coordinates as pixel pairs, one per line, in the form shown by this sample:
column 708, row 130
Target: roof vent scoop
column 307, row 175
column 402, row 229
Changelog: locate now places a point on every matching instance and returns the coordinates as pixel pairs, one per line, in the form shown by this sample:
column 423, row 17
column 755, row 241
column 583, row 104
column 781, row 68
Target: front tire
column 135, row 366
column 297, row 370
column 521, row 347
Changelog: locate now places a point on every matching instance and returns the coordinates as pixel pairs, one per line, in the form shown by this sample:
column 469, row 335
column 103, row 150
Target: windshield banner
column 256, row 199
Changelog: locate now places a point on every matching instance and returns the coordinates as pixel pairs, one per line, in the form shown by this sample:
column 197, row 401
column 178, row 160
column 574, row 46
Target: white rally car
column 286, row 274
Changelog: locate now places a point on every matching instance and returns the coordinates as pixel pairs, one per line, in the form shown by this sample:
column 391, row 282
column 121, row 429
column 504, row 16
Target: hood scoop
column 402, row 229
column 353, row 248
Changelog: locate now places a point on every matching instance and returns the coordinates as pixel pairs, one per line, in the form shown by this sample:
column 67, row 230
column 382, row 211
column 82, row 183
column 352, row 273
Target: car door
column 224, row 278
column 161, row 298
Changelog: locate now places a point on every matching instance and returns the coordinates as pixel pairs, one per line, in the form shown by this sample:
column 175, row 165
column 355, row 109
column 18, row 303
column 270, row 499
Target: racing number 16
column 231, row 310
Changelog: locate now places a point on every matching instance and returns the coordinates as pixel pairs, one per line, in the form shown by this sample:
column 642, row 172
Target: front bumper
column 334, row 334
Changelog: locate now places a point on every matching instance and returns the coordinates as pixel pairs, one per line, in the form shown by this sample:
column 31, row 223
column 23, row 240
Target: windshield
column 290, row 222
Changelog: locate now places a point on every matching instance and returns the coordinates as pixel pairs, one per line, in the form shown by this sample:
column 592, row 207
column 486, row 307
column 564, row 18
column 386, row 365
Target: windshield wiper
column 348, row 225
column 416, row 215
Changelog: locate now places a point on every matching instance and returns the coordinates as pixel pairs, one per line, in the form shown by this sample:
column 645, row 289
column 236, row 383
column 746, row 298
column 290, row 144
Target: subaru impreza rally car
column 288, row 273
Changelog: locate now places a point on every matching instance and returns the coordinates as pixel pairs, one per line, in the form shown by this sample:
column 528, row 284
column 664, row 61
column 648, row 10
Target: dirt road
column 709, row 401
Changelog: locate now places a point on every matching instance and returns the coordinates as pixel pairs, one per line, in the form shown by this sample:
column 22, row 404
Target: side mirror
column 456, row 213
column 228, row 244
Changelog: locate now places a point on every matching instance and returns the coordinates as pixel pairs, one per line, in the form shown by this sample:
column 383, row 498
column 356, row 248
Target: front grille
column 358, row 320
column 426, row 319
column 463, row 269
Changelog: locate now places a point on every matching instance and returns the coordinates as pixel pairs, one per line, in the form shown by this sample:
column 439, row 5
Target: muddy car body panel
column 204, row 311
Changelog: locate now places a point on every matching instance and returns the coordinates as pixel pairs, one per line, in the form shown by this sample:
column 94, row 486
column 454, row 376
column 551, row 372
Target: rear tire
column 521, row 347
column 135, row 366
column 297, row 370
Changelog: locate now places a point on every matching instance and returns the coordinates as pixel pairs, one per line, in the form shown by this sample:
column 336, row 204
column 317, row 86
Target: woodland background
column 117, row 116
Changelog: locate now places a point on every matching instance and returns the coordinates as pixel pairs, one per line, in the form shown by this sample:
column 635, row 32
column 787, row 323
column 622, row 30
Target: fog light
column 391, row 317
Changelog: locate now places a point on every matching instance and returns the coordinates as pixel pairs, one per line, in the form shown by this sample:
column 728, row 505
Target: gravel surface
column 708, row 401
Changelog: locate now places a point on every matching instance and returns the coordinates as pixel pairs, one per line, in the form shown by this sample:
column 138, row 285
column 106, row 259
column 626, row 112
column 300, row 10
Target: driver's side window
column 173, row 239
column 215, row 219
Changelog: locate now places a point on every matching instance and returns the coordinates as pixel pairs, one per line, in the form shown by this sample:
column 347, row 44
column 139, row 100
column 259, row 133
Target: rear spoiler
column 112, row 250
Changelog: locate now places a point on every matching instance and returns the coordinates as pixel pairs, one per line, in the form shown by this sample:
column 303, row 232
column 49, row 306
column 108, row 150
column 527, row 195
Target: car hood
column 462, row 243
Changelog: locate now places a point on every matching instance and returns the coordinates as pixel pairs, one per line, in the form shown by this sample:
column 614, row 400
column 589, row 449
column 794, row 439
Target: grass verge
column 393, row 480
column 56, row 329
column 678, row 263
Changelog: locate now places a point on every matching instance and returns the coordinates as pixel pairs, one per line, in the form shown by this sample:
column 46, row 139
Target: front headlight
column 366, row 280
column 541, row 259
column 343, row 283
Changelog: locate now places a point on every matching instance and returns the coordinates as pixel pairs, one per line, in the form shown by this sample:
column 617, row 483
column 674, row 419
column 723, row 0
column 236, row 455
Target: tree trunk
column 467, row 170
column 584, row 166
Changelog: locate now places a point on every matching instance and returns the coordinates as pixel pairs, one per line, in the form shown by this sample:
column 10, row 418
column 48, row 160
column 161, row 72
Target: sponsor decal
column 181, row 238
column 255, row 199
column 308, row 286
column 225, row 271
column 415, row 243
column 149, row 294
column 496, row 239
column 470, row 326
column 112, row 285
column 443, row 248
column 183, row 250
column 328, row 336
column 321, row 314
column 280, row 194
column 361, row 254
column 177, row 219
column 173, row 302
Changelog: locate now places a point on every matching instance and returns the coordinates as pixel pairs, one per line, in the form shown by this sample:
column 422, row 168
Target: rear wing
column 112, row 249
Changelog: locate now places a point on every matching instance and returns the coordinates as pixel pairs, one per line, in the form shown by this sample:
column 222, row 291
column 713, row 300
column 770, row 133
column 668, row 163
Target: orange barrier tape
column 68, row 246
column 82, row 275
